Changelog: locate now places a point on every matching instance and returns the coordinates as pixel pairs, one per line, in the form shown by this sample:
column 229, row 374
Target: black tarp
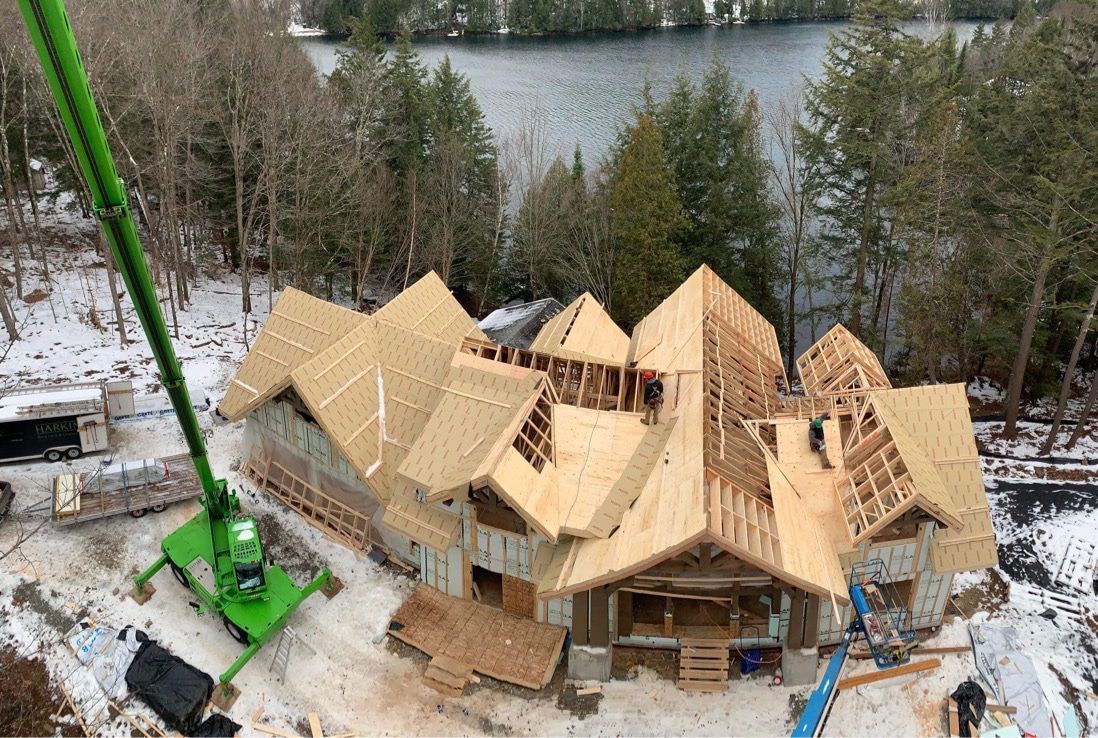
column 175, row 690
column 971, row 701
column 217, row 726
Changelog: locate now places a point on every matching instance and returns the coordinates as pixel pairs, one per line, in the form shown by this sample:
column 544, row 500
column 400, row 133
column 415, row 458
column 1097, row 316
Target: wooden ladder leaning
column 703, row 665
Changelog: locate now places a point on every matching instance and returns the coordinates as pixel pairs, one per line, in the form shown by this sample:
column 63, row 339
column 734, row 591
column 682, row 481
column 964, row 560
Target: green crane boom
column 217, row 554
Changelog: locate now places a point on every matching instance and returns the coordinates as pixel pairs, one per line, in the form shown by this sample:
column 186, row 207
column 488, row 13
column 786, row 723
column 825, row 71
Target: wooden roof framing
column 739, row 385
column 937, row 418
column 889, row 479
column 839, row 362
column 583, row 331
column 578, row 382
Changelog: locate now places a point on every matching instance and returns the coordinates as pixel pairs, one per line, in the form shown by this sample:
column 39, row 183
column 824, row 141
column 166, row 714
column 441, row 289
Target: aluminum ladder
column 286, row 639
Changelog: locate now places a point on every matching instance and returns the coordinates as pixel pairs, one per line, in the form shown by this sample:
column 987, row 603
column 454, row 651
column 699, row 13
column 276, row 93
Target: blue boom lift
column 880, row 617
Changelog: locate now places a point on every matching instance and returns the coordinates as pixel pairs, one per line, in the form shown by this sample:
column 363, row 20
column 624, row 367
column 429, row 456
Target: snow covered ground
column 358, row 681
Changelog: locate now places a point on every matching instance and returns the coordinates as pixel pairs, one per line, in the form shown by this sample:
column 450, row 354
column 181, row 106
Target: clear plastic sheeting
column 127, row 475
column 1011, row 674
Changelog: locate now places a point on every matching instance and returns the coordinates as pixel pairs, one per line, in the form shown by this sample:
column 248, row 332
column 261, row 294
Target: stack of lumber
column 448, row 676
column 703, row 665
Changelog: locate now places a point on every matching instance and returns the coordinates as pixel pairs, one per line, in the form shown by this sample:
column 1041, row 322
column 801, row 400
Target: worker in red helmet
column 653, row 399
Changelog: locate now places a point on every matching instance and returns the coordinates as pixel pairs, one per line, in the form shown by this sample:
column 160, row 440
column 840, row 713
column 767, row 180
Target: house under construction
column 521, row 485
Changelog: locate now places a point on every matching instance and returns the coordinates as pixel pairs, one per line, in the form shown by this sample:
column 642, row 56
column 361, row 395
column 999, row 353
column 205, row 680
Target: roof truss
column 839, row 362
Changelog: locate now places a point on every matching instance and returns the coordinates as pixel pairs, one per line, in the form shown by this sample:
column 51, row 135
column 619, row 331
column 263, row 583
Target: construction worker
column 653, row 399
column 816, row 438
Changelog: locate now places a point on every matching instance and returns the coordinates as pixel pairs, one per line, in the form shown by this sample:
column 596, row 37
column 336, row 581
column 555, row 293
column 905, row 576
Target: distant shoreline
column 303, row 32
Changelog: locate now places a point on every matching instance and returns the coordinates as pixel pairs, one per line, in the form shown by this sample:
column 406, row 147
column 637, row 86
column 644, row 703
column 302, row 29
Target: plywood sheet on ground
column 495, row 644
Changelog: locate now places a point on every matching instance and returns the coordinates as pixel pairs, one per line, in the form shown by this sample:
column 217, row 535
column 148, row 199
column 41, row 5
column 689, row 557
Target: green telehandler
column 217, row 554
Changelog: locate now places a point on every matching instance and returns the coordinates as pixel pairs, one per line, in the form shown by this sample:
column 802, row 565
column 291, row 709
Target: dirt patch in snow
column 29, row 594
column 288, row 549
column 26, row 696
column 579, row 705
column 988, row 595
column 107, row 549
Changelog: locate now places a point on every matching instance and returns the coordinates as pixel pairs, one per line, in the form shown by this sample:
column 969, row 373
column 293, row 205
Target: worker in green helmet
column 816, row 438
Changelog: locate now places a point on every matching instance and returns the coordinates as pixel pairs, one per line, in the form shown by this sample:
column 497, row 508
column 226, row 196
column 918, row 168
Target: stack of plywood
column 448, row 676
column 703, row 665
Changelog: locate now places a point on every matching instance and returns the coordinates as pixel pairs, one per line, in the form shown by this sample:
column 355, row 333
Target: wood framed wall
column 580, row 382
column 342, row 522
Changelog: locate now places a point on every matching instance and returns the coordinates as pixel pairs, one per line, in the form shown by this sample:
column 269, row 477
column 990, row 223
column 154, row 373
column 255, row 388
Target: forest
column 585, row 16
column 939, row 198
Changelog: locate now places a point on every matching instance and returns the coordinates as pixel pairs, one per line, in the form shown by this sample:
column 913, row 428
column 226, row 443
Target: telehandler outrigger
column 217, row 554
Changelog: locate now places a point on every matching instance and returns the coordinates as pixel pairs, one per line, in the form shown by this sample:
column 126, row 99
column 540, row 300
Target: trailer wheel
column 180, row 576
column 73, row 453
column 159, row 507
column 238, row 635
column 138, row 513
column 53, row 455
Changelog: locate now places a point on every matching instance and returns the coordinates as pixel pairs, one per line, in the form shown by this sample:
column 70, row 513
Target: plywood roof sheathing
column 583, row 331
column 424, row 409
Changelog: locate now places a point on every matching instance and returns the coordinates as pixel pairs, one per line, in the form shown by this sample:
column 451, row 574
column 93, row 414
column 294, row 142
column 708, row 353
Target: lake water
column 586, row 85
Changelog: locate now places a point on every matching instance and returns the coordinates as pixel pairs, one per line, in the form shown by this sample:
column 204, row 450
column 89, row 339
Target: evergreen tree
column 358, row 82
column 462, row 182
column 712, row 140
column 1033, row 133
column 859, row 119
column 405, row 119
column 579, row 170
column 645, row 217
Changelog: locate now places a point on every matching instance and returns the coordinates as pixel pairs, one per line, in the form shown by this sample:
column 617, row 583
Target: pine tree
column 646, row 216
column 462, row 180
column 859, row 117
column 404, row 121
column 1033, row 133
column 712, row 140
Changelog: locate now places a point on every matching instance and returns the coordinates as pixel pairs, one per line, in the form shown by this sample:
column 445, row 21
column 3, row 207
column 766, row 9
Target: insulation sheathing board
column 429, row 308
column 480, row 403
column 937, row 418
column 297, row 330
column 427, row 525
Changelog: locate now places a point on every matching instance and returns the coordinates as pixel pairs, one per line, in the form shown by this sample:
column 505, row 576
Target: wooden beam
column 812, row 621
column 794, row 637
column 911, row 667
column 600, row 617
column 937, row 651
column 579, row 618
column 623, row 624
